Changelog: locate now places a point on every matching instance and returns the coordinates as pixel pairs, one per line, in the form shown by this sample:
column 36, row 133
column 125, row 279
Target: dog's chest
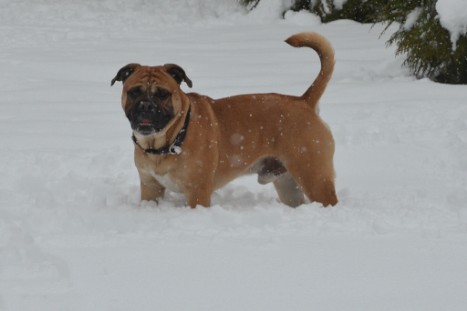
column 167, row 182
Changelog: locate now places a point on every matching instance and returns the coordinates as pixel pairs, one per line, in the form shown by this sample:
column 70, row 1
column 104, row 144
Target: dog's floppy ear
column 124, row 73
column 178, row 74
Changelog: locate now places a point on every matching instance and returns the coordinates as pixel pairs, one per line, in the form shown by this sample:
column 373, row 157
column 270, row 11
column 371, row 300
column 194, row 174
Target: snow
column 412, row 18
column 74, row 236
column 302, row 17
column 339, row 4
column 270, row 10
column 453, row 16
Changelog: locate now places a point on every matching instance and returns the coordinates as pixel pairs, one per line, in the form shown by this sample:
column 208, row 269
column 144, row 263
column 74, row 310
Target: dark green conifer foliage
column 426, row 44
column 362, row 11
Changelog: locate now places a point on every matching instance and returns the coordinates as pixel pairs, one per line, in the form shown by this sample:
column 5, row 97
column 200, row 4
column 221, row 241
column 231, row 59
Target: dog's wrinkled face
column 149, row 108
column 151, row 96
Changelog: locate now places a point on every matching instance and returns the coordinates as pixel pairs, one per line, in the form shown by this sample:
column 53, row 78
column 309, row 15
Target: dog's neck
column 153, row 141
column 164, row 142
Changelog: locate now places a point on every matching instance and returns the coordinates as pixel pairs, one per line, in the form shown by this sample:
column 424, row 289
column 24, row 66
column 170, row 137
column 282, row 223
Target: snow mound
column 453, row 17
column 303, row 17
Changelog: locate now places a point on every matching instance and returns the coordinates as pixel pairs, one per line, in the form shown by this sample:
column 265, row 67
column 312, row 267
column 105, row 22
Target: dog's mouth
column 147, row 120
column 145, row 126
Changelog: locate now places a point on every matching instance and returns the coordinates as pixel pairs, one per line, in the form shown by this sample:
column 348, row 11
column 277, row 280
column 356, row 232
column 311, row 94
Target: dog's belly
column 167, row 182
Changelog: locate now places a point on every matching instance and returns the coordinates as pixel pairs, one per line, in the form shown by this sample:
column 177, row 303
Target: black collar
column 175, row 147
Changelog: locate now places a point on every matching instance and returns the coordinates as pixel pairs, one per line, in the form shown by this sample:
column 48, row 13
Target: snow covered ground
column 74, row 236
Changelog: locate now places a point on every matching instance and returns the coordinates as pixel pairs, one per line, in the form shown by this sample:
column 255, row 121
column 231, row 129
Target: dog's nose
column 145, row 106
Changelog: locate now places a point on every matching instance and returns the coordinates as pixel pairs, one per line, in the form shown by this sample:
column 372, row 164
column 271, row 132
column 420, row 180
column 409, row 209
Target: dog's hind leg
column 316, row 181
column 288, row 190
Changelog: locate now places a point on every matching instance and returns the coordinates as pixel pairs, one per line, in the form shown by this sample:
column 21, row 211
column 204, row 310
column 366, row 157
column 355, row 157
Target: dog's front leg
column 199, row 193
column 151, row 189
column 199, row 196
column 195, row 200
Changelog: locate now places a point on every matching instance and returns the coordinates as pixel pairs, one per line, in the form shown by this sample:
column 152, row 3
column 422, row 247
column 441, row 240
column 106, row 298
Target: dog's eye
column 162, row 94
column 135, row 92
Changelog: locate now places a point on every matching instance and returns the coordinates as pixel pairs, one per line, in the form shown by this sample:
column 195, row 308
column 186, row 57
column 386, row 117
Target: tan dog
column 193, row 144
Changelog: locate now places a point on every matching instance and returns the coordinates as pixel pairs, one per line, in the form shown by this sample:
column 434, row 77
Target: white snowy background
column 74, row 236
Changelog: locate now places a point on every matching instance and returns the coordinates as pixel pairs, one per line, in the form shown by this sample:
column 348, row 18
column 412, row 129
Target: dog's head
column 151, row 96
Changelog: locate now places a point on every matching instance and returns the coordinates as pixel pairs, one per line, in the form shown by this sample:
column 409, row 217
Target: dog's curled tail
column 326, row 55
